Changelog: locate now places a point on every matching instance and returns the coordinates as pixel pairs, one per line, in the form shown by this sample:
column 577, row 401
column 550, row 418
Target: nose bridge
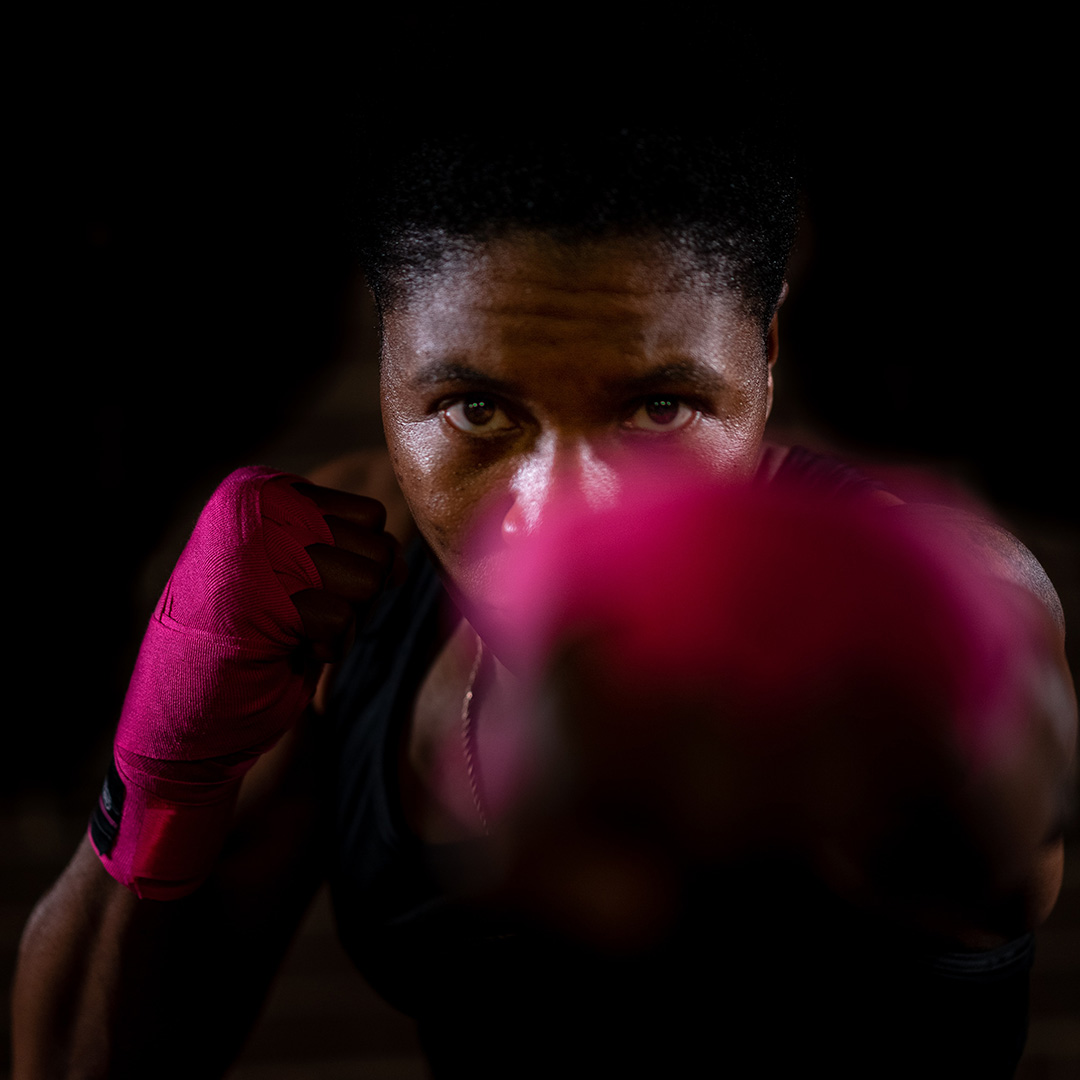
column 567, row 469
column 593, row 478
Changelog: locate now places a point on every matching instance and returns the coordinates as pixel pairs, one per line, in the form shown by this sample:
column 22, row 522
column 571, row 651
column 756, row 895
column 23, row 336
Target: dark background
column 183, row 293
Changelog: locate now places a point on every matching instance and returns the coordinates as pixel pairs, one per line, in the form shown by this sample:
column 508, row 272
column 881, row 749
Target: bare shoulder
column 774, row 458
column 995, row 548
column 369, row 473
column 988, row 543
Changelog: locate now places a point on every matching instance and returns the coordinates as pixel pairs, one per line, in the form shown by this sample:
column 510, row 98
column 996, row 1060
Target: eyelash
column 680, row 401
column 464, row 401
column 677, row 400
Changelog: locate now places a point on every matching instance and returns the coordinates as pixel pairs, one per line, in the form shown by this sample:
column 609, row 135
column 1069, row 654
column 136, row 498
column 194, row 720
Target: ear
column 772, row 347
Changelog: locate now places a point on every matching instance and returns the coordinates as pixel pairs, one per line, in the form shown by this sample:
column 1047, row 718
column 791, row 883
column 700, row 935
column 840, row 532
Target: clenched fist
column 269, row 586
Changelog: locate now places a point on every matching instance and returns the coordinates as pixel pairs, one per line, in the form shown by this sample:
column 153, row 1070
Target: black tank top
column 767, row 974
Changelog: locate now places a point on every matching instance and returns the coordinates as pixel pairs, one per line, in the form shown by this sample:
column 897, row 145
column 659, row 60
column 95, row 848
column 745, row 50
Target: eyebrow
column 441, row 372
column 686, row 374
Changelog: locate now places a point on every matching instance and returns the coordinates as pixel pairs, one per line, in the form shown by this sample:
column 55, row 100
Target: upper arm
column 1031, row 785
column 1002, row 556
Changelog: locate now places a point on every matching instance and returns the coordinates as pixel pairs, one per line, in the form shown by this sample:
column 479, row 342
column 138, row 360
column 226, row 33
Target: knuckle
column 344, row 506
column 326, row 616
column 354, row 577
column 363, row 541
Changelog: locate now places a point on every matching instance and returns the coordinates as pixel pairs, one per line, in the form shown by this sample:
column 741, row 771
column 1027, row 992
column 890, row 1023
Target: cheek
column 728, row 445
column 447, row 491
column 728, row 454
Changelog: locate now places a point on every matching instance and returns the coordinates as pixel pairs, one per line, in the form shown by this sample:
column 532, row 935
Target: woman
column 554, row 311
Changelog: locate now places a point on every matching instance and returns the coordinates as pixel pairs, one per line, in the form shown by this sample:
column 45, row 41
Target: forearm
column 108, row 985
column 66, row 982
column 268, row 586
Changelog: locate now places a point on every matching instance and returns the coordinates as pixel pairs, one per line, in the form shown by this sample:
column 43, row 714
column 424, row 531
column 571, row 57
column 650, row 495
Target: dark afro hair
column 675, row 129
column 728, row 199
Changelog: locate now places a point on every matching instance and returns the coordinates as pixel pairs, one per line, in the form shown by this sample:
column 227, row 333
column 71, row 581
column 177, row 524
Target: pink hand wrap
column 789, row 606
column 216, row 683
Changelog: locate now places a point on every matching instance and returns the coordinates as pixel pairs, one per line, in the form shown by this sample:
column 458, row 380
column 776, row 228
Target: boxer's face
column 527, row 370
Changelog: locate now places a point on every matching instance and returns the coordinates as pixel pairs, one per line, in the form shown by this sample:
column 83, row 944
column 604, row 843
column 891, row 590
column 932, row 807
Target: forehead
column 613, row 302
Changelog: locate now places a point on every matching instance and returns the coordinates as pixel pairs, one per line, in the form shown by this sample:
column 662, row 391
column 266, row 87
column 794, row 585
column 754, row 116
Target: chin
column 476, row 593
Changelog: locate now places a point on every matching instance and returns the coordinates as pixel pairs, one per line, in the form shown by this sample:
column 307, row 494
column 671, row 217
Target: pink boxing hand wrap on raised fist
column 771, row 622
column 216, row 684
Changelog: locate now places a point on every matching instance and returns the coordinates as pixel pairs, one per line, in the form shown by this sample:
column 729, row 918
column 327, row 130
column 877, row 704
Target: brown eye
column 478, row 412
column 478, row 416
column 661, row 414
column 662, row 410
